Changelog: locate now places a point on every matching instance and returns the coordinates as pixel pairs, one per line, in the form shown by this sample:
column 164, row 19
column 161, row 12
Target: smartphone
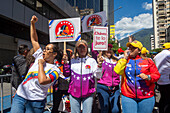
column 128, row 53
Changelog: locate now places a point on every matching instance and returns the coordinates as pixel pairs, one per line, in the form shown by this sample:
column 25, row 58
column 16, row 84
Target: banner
column 100, row 38
column 96, row 19
column 112, row 30
column 65, row 30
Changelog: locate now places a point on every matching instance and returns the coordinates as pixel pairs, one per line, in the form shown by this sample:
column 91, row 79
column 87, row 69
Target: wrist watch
column 149, row 77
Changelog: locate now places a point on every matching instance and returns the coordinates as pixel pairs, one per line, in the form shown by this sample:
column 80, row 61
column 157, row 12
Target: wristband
column 149, row 77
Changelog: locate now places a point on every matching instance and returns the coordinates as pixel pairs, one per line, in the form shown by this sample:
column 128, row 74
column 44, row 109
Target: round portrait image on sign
column 94, row 20
column 64, row 29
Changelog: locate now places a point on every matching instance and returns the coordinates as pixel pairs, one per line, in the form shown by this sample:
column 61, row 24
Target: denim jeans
column 109, row 100
column 21, row 105
column 164, row 102
column 130, row 105
column 76, row 104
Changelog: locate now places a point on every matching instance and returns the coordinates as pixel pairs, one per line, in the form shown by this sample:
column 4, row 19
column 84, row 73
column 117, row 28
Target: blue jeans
column 130, row 105
column 109, row 100
column 76, row 104
column 21, row 105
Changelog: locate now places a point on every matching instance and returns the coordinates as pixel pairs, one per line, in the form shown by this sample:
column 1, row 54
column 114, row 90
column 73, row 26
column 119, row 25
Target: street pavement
column 7, row 98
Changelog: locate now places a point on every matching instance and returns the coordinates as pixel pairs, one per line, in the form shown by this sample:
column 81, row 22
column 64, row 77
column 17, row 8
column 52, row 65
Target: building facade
column 96, row 5
column 152, row 42
column 161, row 13
column 168, row 35
column 15, row 18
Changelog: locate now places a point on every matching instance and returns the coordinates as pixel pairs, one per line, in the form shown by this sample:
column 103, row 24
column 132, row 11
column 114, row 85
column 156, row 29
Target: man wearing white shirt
column 162, row 61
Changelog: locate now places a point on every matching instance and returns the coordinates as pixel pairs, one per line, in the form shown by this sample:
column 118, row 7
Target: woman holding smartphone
column 138, row 77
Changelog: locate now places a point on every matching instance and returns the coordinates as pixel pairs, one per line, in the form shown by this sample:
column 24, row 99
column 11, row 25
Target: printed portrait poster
column 61, row 30
column 96, row 19
column 100, row 38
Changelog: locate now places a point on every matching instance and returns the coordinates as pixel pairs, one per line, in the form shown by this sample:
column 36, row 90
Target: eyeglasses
column 48, row 50
column 132, row 48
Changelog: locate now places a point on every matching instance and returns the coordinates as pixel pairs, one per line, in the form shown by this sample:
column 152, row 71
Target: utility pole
column 108, row 5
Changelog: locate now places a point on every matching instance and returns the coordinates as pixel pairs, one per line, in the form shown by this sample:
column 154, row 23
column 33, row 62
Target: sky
column 134, row 16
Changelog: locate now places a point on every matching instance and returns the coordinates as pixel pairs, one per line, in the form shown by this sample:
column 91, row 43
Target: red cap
column 120, row 50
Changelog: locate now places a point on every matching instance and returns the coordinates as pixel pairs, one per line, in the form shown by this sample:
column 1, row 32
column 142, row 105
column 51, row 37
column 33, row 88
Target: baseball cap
column 166, row 45
column 82, row 42
column 120, row 50
column 144, row 50
column 135, row 44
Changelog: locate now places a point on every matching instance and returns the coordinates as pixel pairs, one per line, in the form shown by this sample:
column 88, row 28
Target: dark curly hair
column 59, row 52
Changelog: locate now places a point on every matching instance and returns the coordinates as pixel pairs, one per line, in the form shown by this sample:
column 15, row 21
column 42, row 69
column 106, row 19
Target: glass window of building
column 21, row 0
column 46, row 11
column 30, row 3
column 39, row 7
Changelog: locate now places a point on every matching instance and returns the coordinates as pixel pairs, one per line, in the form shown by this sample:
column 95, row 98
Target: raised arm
column 33, row 33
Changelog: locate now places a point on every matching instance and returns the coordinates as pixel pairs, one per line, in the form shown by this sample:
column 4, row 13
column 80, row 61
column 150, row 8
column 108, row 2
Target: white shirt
column 162, row 61
column 87, row 61
column 30, row 88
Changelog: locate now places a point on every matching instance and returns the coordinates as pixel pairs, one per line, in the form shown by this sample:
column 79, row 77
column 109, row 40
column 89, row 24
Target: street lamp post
column 112, row 12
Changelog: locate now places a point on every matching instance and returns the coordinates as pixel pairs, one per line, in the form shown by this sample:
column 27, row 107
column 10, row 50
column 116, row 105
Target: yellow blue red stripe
column 34, row 75
column 53, row 76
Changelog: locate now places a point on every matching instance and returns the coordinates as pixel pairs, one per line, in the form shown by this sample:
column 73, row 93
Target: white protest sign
column 96, row 19
column 100, row 38
column 65, row 30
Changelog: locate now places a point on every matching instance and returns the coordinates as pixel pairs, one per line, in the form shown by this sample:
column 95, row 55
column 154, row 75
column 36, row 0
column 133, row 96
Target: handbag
column 65, row 105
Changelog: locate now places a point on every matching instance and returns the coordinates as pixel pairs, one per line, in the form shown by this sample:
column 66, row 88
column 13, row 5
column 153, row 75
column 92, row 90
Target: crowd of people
column 124, row 83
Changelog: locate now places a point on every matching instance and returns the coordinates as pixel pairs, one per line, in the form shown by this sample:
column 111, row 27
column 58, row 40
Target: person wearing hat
column 138, row 77
column 108, row 85
column 144, row 51
column 162, row 61
column 82, row 71
column 153, row 54
column 120, row 51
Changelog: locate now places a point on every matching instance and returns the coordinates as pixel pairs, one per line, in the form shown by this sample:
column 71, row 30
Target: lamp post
column 112, row 12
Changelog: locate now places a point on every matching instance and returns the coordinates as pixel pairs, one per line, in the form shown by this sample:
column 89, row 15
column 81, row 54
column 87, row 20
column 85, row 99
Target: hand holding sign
column 100, row 59
column 65, row 58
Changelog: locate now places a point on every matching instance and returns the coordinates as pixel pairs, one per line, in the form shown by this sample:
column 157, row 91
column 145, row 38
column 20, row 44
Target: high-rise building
column 168, row 34
column 161, row 13
column 92, row 6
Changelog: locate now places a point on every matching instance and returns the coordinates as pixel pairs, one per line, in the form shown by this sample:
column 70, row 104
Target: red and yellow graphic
column 64, row 29
column 94, row 20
